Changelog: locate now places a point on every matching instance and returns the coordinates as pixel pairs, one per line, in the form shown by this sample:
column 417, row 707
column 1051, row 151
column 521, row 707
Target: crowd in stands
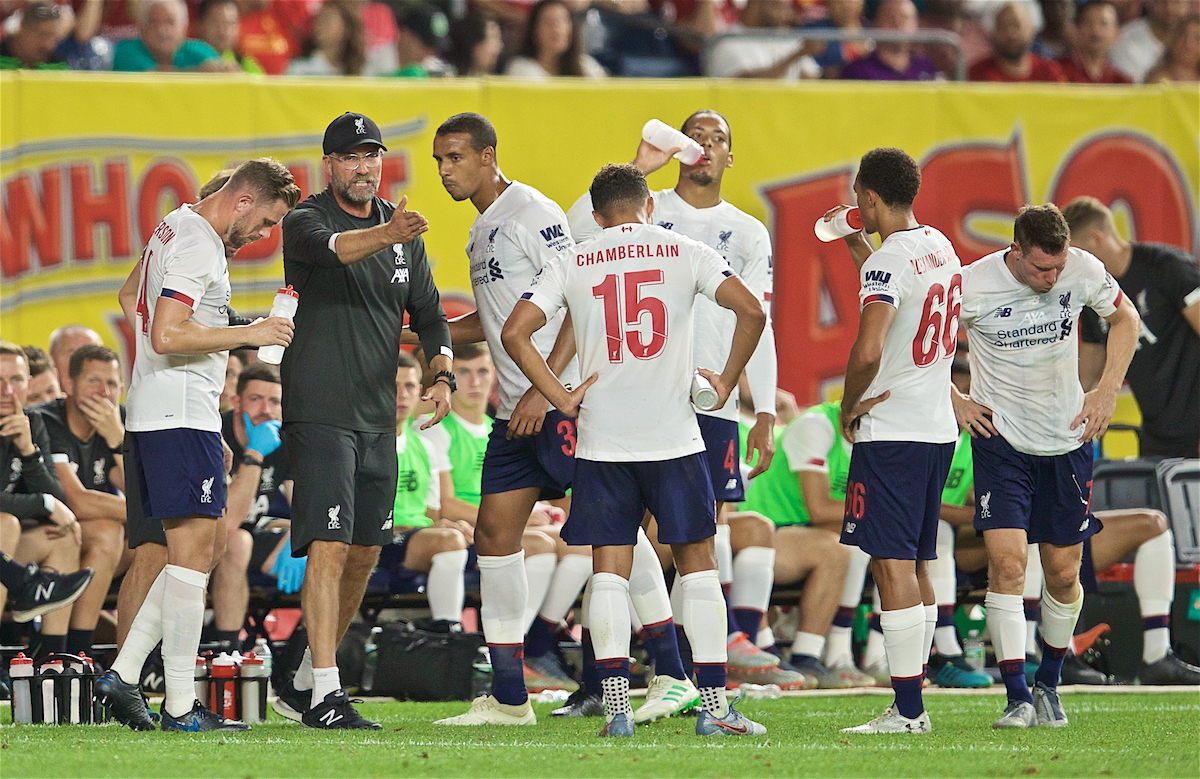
column 1093, row 41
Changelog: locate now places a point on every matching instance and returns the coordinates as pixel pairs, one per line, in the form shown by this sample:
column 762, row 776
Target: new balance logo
column 1003, row 312
column 206, row 490
column 1086, row 521
column 882, row 277
column 731, row 484
column 43, row 592
column 985, row 511
column 551, row 232
column 667, row 225
column 330, row 717
column 850, row 527
column 334, row 522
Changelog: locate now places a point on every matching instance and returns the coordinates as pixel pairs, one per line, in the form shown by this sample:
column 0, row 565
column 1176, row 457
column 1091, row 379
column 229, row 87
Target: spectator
column 475, row 45
column 1181, row 61
column 1095, row 33
column 237, row 362
column 1144, row 40
column 43, row 378
column 893, row 61
column 1058, row 29
column 86, row 435
column 553, row 46
column 847, row 16
column 83, row 48
column 954, row 16
column 337, row 45
column 421, row 37
column 703, row 17
column 33, row 46
column 164, row 45
column 379, row 27
column 271, row 31
column 1014, row 60
column 759, row 57
column 65, row 340
column 217, row 25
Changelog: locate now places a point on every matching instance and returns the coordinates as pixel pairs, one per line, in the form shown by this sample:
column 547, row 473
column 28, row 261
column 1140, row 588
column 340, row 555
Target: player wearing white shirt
column 530, row 450
column 892, row 409
column 176, row 301
column 1033, row 427
column 694, row 208
column 631, row 292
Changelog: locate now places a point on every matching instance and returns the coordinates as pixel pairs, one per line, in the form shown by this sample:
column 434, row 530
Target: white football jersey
column 916, row 271
column 183, row 260
column 631, row 291
column 746, row 245
column 507, row 245
column 1025, row 348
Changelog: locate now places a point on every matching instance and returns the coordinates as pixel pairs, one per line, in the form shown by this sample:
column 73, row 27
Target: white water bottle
column 704, row 395
column 663, row 136
column 286, row 302
column 844, row 223
column 20, row 670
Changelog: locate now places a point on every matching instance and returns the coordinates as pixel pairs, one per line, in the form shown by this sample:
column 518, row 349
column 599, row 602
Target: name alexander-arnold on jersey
column 630, row 252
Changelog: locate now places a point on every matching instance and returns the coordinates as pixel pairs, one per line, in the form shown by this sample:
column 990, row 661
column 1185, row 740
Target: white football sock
column 1058, row 620
column 706, row 623
column 539, row 569
column 608, row 612
column 945, row 581
column 504, row 591
column 570, row 577
column 765, row 638
column 182, row 621
column 875, row 649
column 903, row 638
column 809, row 644
column 930, row 627
column 1006, row 625
column 144, row 634
column 647, row 586
column 325, row 681
column 839, row 641
column 635, row 624
column 1034, row 579
column 1154, row 583
column 724, row 549
column 445, row 588
column 753, row 578
column 677, row 599
column 303, row 681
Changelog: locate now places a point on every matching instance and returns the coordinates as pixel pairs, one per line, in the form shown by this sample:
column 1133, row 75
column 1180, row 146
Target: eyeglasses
column 372, row 159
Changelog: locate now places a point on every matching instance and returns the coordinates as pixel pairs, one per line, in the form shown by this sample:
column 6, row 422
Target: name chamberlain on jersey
column 626, row 252
column 486, row 268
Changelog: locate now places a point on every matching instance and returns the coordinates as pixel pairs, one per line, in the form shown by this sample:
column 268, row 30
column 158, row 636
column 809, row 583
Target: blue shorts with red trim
column 894, row 498
column 545, row 460
column 723, row 450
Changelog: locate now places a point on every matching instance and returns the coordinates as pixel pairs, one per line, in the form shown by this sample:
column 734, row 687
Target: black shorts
column 344, row 485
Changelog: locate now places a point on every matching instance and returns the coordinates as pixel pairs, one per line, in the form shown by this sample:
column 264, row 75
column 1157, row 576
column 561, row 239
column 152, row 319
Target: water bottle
column 20, row 670
column 286, row 302
column 371, row 661
column 973, row 651
column 843, row 223
column 704, row 395
column 222, row 694
column 201, row 676
column 254, row 688
column 76, row 670
column 262, row 650
column 481, row 673
column 663, row 136
column 760, row 691
column 49, row 701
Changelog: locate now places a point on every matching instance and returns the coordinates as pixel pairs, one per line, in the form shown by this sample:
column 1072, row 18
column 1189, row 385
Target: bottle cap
column 251, row 659
column 21, row 659
column 289, row 291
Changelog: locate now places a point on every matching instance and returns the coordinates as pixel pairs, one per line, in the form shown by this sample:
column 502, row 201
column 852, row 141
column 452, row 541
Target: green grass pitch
column 1133, row 734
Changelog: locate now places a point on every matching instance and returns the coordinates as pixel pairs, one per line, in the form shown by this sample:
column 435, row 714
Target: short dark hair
column 471, row 351
column 37, row 359
column 1041, row 227
column 478, row 126
column 1084, row 213
column 268, row 179
column 1090, row 4
column 406, row 360
column 892, row 174
column 618, row 186
column 709, row 112
column 207, row 5
column 259, row 371
column 89, row 352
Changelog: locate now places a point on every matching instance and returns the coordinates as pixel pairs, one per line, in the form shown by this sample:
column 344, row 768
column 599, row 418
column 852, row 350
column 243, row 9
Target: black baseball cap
column 348, row 131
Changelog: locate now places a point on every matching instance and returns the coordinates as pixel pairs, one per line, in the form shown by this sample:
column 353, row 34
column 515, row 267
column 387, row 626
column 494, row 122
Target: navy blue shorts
column 894, row 498
column 1049, row 497
column 180, row 473
column 609, row 500
column 722, row 449
column 545, row 460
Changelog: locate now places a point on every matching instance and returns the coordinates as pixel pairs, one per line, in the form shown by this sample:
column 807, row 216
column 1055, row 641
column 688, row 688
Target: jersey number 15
column 615, row 323
column 938, row 330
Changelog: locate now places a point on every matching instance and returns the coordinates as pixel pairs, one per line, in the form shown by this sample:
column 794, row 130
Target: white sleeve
column 188, row 271
column 882, row 280
column 549, row 289
column 710, row 269
column 544, row 237
column 1104, row 294
column 583, row 224
column 807, row 442
column 433, row 496
column 437, row 443
column 762, row 371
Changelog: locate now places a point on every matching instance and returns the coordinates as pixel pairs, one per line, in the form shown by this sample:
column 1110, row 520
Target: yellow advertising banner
column 90, row 163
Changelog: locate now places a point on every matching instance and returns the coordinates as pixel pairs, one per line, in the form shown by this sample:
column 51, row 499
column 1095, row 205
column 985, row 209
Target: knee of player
column 535, row 543
column 103, row 536
column 10, row 526
column 447, row 539
column 239, row 545
column 751, row 529
column 1155, row 523
column 1007, row 570
column 1061, row 577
